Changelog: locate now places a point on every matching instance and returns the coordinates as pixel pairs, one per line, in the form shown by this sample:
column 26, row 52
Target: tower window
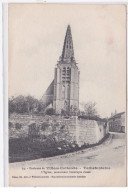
column 66, row 74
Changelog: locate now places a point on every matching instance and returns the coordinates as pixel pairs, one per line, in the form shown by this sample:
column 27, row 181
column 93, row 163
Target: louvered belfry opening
column 66, row 75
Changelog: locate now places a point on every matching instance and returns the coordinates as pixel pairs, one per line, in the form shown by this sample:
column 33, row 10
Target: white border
column 1, row 105
column 127, row 96
column 4, row 92
column 69, row 1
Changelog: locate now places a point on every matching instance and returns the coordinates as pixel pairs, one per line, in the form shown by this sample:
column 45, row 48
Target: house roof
column 96, row 118
column 116, row 116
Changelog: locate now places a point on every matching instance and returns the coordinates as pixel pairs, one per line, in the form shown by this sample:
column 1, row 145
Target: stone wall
column 72, row 130
column 87, row 131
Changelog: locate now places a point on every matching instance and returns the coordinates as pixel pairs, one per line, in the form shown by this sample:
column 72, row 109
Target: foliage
column 28, row 104
column 11, row 125
column 18, row 126
column 63, row 112
column 90, row 109
column 74, row 110
column 50, row 111
column 44, row 126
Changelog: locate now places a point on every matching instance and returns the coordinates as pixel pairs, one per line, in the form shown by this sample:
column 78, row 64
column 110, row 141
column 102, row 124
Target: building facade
column 63, row 92
column 117, row 122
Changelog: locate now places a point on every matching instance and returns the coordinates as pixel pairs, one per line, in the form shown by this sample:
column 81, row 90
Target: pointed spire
column 68, row 51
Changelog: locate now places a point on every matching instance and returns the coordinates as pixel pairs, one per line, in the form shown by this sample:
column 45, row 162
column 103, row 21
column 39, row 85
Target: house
column 117, row 122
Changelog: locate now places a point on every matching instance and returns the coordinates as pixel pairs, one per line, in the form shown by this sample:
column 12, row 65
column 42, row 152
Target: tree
column 74, row 110
column 90, row 109
column 28, row 104
column 41, row 107
column 12, row 105
column 19, row 104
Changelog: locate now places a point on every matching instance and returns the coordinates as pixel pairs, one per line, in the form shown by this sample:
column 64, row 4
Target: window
column 66, row 74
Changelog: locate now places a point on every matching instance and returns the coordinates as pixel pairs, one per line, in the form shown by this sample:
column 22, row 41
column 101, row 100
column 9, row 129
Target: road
column 110, row 153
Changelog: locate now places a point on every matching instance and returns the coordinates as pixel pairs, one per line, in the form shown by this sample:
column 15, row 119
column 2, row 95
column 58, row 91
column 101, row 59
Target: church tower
column 66, row 79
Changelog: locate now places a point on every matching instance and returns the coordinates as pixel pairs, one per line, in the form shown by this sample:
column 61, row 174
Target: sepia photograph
column 67, row 94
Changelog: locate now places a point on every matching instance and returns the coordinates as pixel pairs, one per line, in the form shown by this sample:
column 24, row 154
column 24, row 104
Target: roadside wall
column 87, row 131
column 72, row 130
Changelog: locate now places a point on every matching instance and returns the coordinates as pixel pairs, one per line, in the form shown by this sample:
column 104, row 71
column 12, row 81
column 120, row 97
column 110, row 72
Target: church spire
column 68, row 51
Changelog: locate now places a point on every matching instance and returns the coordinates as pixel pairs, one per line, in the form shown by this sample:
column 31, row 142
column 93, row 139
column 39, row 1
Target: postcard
column 66, row 94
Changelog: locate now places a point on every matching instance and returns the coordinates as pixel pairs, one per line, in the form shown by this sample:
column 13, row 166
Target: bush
column 33, row 131
column 32, row 126
column 18, row 126
column 63, row 112
column 50, row 111
column 44, row 125
column 11, row 125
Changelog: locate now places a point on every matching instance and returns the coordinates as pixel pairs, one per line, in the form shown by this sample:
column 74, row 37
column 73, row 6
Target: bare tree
column 90, row 109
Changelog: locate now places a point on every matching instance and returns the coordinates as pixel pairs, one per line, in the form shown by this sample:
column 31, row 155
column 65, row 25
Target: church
column 63, row 92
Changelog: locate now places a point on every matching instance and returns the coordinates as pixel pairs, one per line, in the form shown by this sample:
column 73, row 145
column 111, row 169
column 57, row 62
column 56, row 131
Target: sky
column 36, row 36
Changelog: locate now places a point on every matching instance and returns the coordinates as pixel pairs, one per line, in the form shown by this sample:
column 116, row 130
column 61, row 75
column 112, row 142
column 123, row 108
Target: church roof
column 48, row 95
column 68, row 51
